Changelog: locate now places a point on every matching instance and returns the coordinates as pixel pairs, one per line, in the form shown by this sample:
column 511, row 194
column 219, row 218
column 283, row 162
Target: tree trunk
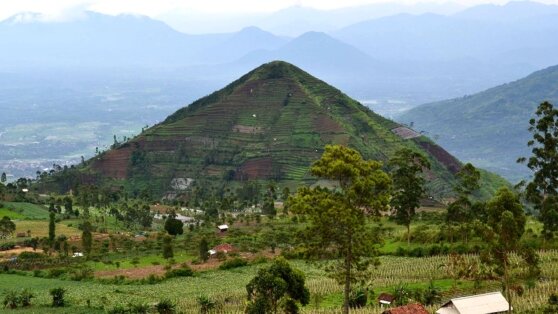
column 347, row 290
column 409, row 235
column 507, row 286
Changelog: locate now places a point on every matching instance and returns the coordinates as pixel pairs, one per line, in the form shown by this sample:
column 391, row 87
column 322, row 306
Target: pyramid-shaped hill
column 270, row 124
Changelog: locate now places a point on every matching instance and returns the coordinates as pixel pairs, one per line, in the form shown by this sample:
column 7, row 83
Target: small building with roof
column 487, row 303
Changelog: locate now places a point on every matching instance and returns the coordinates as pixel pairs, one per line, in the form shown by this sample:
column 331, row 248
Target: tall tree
column 506, row 221
column 51, row 228
column 3, row 178
column 542, row 190
column 275, row 285
column 408, row 185
column 203, row 250
column 87, row 238
column 168, row 251
column 463, row 210
column 338, row 216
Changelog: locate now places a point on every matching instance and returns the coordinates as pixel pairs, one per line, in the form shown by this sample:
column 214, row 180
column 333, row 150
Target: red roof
column 407, row 309
column 225, row 247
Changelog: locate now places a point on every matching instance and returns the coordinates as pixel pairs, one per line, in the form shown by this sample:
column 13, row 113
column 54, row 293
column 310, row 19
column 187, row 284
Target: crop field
column 40, row 228
column 27, row 210
column 227, row 287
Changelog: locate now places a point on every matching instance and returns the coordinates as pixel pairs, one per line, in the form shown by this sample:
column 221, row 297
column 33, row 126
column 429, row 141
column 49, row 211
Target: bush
column 206, row 304
column 81, row 273
column 11, row 300
column 30, row 255
column 55, row 272
column 165, row 307
column 7, row 246
column 233, row 263
column 25, row 298
column 358, row 298
column 57, row 297
column 185, row 271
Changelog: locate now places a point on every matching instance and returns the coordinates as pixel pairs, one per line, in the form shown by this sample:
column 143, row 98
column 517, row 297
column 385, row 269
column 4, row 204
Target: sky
column 65, row 8
column 215, row 16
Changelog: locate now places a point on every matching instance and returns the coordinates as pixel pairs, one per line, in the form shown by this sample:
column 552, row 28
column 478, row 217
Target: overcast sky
column 158, row 7
column 191, row 16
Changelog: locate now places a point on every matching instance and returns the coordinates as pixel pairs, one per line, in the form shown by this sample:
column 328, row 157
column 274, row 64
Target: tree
column 506, row 222
column 543, row 188
column 463, row 210
column 408, row 185
column 174, row 226
column 203, row 250
column 167, row 247
column 51, row 228
column 86, row 238
column 3, row 178
column 7, row 227
column 337, row 216
column 276, row 285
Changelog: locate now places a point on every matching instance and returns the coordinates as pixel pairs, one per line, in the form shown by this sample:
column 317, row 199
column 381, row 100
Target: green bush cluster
column 233, row 263
column 13, row 300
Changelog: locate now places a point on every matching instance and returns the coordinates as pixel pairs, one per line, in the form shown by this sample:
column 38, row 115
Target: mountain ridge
column 269, row 125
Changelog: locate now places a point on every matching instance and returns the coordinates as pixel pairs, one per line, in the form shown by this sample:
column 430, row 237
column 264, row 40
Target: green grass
column 28, row 210
column 10, row 214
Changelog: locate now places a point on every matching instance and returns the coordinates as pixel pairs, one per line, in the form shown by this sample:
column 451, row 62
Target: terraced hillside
column 270, row 124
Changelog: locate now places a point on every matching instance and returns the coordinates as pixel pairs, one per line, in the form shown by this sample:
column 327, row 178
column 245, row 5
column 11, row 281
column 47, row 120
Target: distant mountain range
column 489, row 128
column 418, row 58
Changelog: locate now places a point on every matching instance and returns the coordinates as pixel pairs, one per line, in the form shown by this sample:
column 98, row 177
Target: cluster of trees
column 337, row 216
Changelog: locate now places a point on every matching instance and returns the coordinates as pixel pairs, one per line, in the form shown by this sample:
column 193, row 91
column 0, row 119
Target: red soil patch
column 324, row 124
column 114, row 163
column 259, row 168
column 445, row 158
column 159, row 270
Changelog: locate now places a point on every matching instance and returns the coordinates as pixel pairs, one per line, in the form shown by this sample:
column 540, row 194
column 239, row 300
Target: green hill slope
column 489, row 129
column 270, row 124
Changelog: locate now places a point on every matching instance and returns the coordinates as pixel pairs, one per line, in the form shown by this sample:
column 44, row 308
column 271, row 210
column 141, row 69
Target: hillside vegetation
column 489, row 129
column 270, row 125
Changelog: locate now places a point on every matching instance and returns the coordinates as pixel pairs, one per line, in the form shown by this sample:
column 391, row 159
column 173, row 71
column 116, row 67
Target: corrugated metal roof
column 487, row 303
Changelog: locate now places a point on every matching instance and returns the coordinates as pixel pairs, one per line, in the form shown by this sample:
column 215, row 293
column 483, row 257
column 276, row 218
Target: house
column 21, row 234
column 407, row 309
column 223, row 228
column 77, row 254
column 487, row 303
column 385, row 299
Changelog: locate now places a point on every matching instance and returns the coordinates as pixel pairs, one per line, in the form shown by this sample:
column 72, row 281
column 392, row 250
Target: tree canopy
column 337, row 216
column 542, row 190
column 408, row 185
column 277, row 286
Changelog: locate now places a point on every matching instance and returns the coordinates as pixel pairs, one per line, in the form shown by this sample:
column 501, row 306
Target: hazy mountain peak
column 511, row 11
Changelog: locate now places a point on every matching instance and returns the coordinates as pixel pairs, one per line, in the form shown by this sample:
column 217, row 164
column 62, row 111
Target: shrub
column 233, row 263
column 25, row 298
column 57, row 297
column 55, row 272
column 185, row 271
column 358, row 298
column 165, row 307
column 81, row 273
column 11, row 300
column 30, row 255
column 206, row 304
